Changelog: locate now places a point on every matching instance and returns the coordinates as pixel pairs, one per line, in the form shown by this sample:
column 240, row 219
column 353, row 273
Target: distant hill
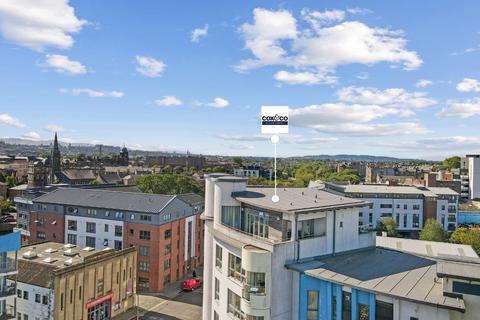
column 354, row 157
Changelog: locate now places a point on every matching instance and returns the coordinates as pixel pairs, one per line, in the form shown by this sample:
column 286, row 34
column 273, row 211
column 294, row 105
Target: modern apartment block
column 249, row 239
column 409, row 206
column 474, row 176
column 253, row 172
column 65, row 282
column 9, row 245
column 166, row 229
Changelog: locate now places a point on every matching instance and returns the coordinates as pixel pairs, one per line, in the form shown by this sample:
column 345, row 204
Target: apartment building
column 253, row 171
column 9, row 245
column 62, row 281
column 166, row 229
column 249, row 239
column 473, row 176
column 409, row 206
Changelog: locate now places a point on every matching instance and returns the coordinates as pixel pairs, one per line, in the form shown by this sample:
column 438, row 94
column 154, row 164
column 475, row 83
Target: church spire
column 55, row 160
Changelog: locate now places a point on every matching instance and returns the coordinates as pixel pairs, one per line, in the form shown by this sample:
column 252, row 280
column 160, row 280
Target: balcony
column 7, row 291
column 8, row 266
column 9, row 313
column 452, row 219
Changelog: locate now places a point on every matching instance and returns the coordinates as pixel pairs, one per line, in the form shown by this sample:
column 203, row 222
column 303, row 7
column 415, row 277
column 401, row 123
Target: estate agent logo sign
column 274, row 119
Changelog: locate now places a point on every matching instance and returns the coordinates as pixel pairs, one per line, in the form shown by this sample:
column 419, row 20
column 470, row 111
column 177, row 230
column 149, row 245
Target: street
column 184, row 306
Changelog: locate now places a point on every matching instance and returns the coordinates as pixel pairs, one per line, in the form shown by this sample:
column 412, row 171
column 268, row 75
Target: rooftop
column 412, row 190
column 297, row 200
column 125, row 201
column 383, row 271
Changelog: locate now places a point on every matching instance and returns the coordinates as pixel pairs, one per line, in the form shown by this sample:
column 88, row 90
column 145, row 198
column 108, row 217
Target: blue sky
column 370, row 77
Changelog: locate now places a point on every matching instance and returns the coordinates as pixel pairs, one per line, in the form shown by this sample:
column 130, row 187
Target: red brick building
column 166, row 229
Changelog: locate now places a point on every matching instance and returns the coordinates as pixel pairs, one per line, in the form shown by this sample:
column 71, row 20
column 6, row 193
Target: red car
column 191, row 284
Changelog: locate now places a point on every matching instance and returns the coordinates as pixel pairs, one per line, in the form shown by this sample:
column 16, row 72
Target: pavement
column 171, row 304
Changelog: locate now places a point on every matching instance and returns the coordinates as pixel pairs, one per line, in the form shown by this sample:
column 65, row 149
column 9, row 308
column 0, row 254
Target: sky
column 392, row 78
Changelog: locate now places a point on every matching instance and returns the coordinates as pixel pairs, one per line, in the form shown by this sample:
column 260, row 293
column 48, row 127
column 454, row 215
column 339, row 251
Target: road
column 184, row 306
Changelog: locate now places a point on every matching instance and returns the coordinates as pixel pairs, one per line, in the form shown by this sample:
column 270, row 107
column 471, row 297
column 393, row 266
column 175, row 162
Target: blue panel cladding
column 326, row 293
column 10, row 242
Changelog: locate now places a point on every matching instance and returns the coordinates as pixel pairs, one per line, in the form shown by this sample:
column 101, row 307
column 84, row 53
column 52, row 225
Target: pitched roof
column 192, row 199
column 79, row 174
column 125, row 201
column 296, row 200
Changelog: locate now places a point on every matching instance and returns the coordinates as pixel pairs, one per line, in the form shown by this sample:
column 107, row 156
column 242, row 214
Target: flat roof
column 459, row 270
column 383, row 271
column 374, row 188
column 297, row 200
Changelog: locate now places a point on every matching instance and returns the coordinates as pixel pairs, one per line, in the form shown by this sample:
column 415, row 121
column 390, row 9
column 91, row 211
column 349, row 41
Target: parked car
column 191, row 284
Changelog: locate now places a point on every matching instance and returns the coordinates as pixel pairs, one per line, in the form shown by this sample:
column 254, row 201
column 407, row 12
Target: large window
column 118, row 231
column 218, row 256
column 144, row 266
column 217, row 289
column 268, row 225
column 235, row 267
column 90, row 242
column 234, row 305
column 72, row 239
column 256, row 282
column 144, row 235
column 312, row 305
column 306, row 229
column 363, row 312
column 231, row 216
column 383, row 310
column 346, row 305
column 144, row 251
column 385, row 206
column 72, row 225
column 91, row 227
column 416, row 220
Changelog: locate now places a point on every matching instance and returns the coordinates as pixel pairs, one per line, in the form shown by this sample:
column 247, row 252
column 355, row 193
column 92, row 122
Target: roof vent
column 69, row 253
column 29, row 254
column 49, row 260
column 68, row 262
column 88, row 249
column 50, row 250
column 69, row 245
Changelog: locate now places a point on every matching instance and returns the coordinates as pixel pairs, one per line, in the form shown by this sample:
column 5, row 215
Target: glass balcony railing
column 7, row 291
column 8, row 266
column 252, row 290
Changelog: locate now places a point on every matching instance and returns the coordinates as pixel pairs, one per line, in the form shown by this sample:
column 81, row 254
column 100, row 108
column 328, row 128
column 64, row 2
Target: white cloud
column 199, row 33
column 392, row 97
column 358, row 10
column 31, row 136
column 463, row 109
column 218, row 103
column 93, row 93
column 307, row 78
column 10, row 121
column 150, row 67
column 168, row 101
column 353, row 120
column 275, row 39
column 319, row 19
column 423, row 83
column 63, row 64
column 54, row 128
column 241, row 146
column 37, row 24
column 468, row 85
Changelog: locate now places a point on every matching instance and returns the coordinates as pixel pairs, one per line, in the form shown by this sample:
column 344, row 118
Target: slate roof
column 79, row 174
column 389, row 272
column 125, row 201
column 192, row 199
column 298, row 200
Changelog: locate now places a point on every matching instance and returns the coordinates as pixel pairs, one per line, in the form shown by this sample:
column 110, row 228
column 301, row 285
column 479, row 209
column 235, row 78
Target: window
column 144, row 266
column 405, row 207
column 416, row 207
column 19, row 293
column 132, row 216
column 466, row 288
column 216, row 316
column 117, row 245
column 25, row 316
column 256, row 282
column 166, row 279
column 231, row 216
column 346, row 305
column 132, row 231
column 25, row 295
column 41, row 235
column 443, row 207
column 397, row 219
column 217, row 289
column 385, row 206
column 107, row 213
column 168, row 234
column 306, row 229
column 235, row 267
column 118, row 231
column 145, row 217
column 370, row 217
column 143, row 283
column 90, row 242
column 218, row 256
column 72, row 239
column 119, row 215
column 144, row 235
column 166, row 264
column 404, row 220
column 38, row 298
column 144, row 251
column 398, row 206
column 105, row 242
column 45, row 299
column 416, row 220
column 72, row 225
column 363, row 312
column 91, row 226
column 233, row 305
column 168, row 248
column 312, row 305
column 383, row 310
column 334, row 307
column 166, row 216
column 106, row 228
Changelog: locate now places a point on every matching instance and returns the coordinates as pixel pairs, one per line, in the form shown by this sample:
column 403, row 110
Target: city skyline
column 378, row 79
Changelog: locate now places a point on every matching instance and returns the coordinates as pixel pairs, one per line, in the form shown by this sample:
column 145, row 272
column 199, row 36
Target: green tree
column 389, row 226
column 218, row 169
column 433, row 231
column 93, row 182
column 168, row 184
column 237, row 160
column 5, row 205
column 452, row 162
column 167, row 169
column 10, row 181
column 467, row 236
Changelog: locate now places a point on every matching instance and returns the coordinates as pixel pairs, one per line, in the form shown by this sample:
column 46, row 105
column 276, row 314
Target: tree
column 5, row 205
column 237, row 160
column 94, row 181
column 10, row 181
column 168, row 184
column 433, row 231
column 167, row 169
column 389, row 226
column 452, row 162
column 467, row 236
